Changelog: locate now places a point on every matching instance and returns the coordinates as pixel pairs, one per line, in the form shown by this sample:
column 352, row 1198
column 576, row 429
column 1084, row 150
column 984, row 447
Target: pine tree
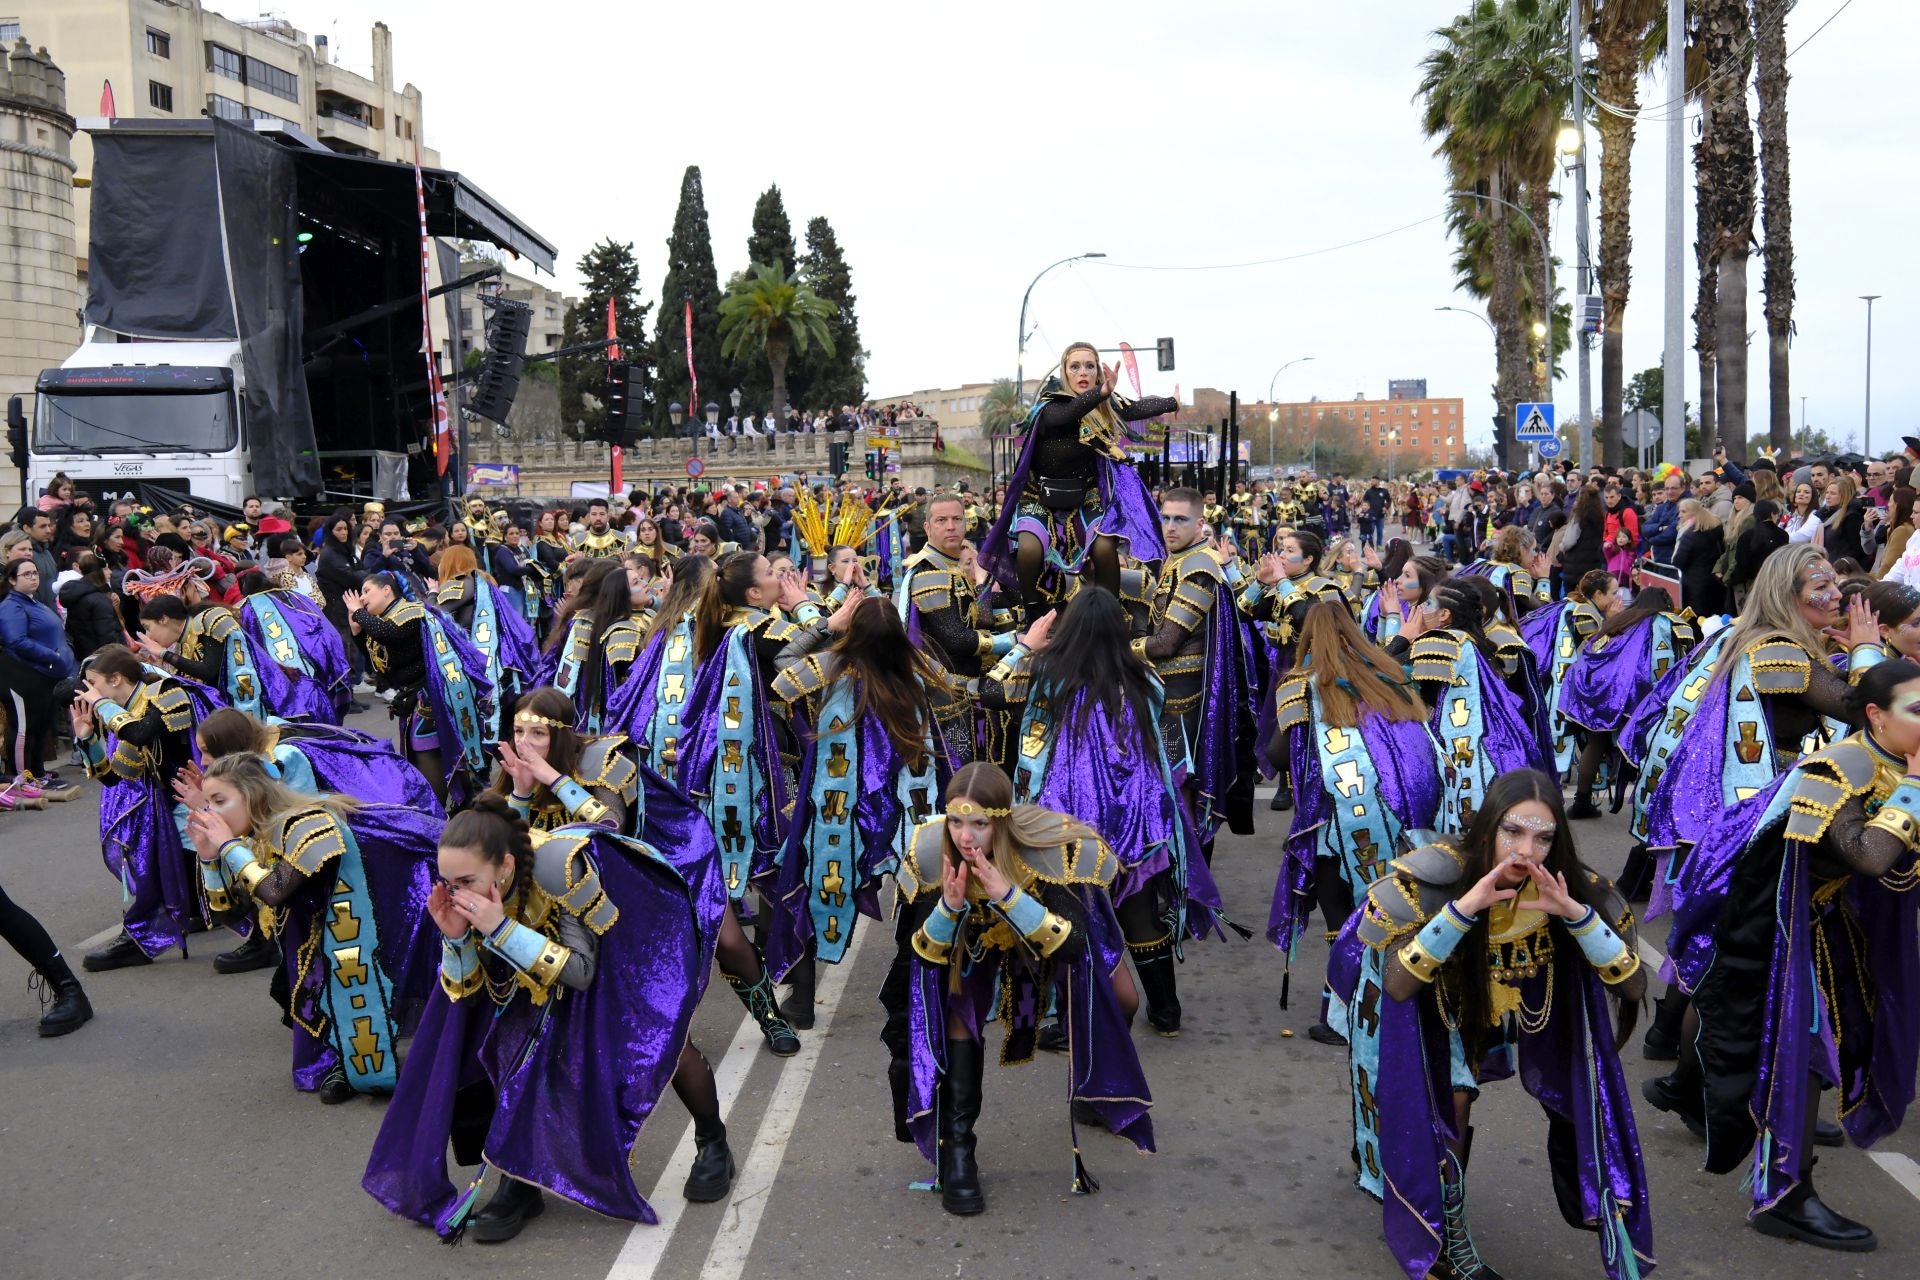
column 690, row 278
column 610, row 271
column 841, row 378
column 772, row 238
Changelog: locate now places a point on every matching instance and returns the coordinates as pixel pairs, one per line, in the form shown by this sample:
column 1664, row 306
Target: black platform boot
column 514, row 1205
column 1679, row 1094
column 1636, row 877
column 1153, row 961
column 122, row 953
column 1662, row 1042
column 758, row 998
column 711, row 1177
column 1458, row 1259
column 1282, row 796
column 66, row 1007
column 335, row 1088
column 960, row 1192
column 1801, row 1215
column 257, row 952
column 798, row 1006
column 899, row 1081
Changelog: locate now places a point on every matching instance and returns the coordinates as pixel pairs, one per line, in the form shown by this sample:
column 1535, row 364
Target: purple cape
column 350, row 763
column 1228, row 721
column 1403, row 756
column 1539, row 629
column 319, row 644
column 631, row 703
column 1570, row 1067
column 1114, row 778
column 1744, row 918
column 576, row 1077
column 700, row 748
column 1604, row 686
column 1127, row 511
column 398, row 847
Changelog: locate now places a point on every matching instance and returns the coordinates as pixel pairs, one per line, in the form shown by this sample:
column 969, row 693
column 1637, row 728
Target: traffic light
column 837, row 458
column 17, row 433
column 873, row 464
column 618, row 395
column 1164, row 349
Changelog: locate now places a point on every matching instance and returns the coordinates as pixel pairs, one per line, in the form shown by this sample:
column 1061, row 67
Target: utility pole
column 1583, row 275
column 1866, row 429
column 1673, row 409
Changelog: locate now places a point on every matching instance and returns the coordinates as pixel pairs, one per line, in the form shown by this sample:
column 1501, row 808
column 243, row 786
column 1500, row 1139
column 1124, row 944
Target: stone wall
column 39, row 291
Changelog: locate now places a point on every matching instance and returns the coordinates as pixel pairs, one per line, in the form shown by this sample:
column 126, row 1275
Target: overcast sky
column 959, row 149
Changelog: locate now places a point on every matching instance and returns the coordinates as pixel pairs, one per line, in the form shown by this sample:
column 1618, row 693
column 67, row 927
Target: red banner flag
column 617, row 469
column 1133, row 368
column 613, row 352
column 693, row 406
column 436, row 391
column 106, row 99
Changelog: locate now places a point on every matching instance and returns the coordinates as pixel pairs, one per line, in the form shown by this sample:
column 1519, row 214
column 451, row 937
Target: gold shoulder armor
column 1780, row 666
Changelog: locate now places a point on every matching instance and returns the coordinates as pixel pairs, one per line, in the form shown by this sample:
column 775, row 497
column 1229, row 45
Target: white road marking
column 727, row 1259
column 646, row 1245
column 1649, row 957
column 1901, row 1169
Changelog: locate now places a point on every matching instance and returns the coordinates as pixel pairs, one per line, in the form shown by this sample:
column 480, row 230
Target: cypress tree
column 772, row 238
column 771, row 242
column 841, row 378
column 690, row 277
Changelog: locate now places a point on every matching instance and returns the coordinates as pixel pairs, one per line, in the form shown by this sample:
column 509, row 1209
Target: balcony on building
column 346, row 124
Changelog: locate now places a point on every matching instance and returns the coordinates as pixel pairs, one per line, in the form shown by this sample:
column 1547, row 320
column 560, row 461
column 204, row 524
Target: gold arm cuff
column 119, row 722
column 1419, row 961
column 592, row 811
column 1138, row 645
column 252, row 874
column 1899, row 823
column 545, row 970
column 1620, row 968
column 218, row 899
column 1051, row 935
column 935, row 953
column 466, row 986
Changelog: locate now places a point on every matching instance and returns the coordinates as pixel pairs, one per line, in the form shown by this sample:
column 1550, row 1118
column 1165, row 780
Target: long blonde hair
column 266, row 797
column 1773, row 607
column 1848, row 492
column 1026, row 826
column 1700, row 513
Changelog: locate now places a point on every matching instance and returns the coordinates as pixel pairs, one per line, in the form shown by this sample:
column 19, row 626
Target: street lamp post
column 1866, row 430
column 1273, row 414
column 1020, row 359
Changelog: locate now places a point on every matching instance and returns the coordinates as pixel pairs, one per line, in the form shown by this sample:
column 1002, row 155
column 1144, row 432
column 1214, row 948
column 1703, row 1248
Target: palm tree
column 1001, row 409
column 1770, row 51
column 768, row 311
column 1493, row 93
column 1726, row 152
column 1619, row 29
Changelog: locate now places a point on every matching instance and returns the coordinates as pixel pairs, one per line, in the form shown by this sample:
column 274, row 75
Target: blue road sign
column 1549, row 448
column 1533, row 421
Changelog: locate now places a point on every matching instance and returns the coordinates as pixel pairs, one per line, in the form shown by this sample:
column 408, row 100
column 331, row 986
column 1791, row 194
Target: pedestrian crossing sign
column 1533, row 421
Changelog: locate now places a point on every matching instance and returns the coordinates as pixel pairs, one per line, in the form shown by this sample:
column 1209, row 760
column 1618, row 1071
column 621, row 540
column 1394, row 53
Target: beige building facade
column 178, row 60
column 549, row 322
column 39, row 291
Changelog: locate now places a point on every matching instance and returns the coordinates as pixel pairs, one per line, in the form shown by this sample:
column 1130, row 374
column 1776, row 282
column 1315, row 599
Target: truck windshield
column 136, row 422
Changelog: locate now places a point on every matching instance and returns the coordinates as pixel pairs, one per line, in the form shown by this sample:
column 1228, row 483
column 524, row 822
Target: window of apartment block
column 271, row 79
column 159, row 44
column 225, row 108
column 159, row 96
column 466, row 317
column 9, row 30
column 549, row 313
column 223, row 61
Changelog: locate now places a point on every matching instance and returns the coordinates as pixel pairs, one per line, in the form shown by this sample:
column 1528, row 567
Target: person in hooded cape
column 1002, row 909
column 1555, row 632
column 1073, row 496
column 289, row 631
column 1794, row 933
column 1481, row 724
column 1365, row 772
column 1622, row 662
column 343, row 887
column 133, row 724
column 442, row 697
column 492, row 620
column 874, row 764
column 1479, row 956
column 571, row 965
column 1090, row 745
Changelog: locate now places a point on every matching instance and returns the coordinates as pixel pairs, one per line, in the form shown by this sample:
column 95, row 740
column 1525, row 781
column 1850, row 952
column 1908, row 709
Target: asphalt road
column 165, row 1139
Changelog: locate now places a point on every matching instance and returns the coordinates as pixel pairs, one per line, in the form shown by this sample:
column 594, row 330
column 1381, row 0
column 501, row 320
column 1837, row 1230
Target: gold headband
column 965, row 808
column 534, row 717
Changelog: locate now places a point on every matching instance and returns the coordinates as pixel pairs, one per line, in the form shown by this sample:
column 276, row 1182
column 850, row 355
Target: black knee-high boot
column 1662, row 1042
column 959, row 1110
column 757, row 996
column 798, row 1006
column 899, row 1077
column 1458, row 1259
column 1153, row 961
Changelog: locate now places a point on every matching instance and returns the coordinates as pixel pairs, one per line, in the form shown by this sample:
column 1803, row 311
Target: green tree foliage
column 1001, row 410
column 771, row 243
column 609, row 271
column 772, row 238
column 691, row 277
column 770, row 313
column 836, row 374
